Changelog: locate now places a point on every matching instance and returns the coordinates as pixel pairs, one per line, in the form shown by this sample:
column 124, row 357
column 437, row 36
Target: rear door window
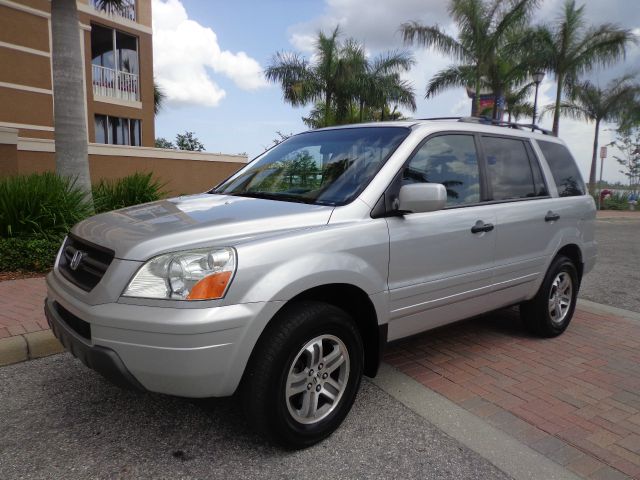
column 512, row 174
column 450, row 160
column 563, row 168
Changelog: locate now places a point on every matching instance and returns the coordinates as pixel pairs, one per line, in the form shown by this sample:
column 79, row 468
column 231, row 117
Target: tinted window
column 328, row 167
column 510, row 172
column 564, row 169
column 450, row 160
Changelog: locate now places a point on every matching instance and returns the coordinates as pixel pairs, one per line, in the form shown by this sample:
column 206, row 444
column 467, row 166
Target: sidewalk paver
column 574, row 398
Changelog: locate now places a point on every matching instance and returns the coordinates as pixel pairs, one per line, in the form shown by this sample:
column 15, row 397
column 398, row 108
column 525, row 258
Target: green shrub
column 617, row 201
column 28, row 254
column 40, row 204
column 137, row 188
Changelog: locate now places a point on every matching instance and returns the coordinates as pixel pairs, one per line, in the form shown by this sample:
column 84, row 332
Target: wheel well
column 573, row 252
column 358, row 305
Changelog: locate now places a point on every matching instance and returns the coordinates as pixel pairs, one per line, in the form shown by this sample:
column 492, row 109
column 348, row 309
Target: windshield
column 326, row 167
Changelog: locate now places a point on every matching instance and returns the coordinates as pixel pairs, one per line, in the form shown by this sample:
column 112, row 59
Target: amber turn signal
column 210, row 287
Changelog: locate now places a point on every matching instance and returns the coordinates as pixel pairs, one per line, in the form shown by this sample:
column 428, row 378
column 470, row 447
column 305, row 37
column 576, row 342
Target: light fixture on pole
column 537, row 79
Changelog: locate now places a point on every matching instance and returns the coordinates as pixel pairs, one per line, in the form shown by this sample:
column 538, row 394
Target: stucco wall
column 183, row 172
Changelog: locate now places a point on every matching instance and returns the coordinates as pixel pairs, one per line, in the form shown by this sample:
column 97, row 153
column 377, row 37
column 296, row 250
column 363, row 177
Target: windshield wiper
column 286, row 197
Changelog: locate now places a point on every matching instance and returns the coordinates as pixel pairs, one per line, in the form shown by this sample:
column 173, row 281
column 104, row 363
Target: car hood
column 143, row 231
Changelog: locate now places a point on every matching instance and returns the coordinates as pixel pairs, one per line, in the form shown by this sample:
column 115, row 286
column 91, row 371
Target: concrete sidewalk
column 573, row 400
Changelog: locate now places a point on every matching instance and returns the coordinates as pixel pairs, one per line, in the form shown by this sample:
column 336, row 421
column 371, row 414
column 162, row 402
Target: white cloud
column 186, row 53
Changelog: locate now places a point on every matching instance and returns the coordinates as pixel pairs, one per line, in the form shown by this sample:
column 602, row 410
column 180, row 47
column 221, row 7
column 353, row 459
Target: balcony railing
column 127, row 9
column 108, row 82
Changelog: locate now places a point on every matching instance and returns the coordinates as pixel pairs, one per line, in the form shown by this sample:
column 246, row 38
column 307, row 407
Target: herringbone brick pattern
column 21, row 306
column 575, row 398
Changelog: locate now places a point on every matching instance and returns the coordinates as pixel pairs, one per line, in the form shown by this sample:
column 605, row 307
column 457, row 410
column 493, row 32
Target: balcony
column 120, row 85
column 126, row 10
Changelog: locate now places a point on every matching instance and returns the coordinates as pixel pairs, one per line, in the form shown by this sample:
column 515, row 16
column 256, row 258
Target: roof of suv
column 472, row 124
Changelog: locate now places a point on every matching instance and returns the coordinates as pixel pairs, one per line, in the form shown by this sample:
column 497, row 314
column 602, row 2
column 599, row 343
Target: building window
column 117, row 130
column 114, row 64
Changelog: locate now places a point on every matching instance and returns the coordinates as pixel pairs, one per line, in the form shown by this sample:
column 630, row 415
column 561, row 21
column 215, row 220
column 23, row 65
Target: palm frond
column 414, row 32
column 453, row 76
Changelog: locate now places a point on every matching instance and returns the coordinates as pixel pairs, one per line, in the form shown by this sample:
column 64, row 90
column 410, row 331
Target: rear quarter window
column 563, row 168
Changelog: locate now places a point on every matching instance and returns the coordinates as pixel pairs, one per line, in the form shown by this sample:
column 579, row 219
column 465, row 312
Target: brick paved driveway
column 21, row 304
column 575, row 398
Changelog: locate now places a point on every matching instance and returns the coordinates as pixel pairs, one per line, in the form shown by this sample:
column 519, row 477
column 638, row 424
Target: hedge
column 28, row 254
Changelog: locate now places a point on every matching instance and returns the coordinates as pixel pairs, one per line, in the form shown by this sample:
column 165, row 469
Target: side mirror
column 422, row 197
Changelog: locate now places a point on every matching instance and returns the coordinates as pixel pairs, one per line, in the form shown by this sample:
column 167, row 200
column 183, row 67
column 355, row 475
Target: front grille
column 93, row 264
column 78, row 325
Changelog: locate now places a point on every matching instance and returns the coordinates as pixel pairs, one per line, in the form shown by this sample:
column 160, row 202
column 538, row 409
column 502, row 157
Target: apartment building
column 117, row 51
column 118, row 59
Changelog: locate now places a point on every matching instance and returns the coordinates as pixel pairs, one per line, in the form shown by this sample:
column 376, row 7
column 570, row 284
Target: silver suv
column 286, row 281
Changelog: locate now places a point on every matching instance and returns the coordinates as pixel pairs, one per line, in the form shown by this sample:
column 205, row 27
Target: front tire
column 304, row 374
column 549, row 313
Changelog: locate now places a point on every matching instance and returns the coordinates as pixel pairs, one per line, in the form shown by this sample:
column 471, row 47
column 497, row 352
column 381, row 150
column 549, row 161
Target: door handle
column 551, row 216
column 480, row 227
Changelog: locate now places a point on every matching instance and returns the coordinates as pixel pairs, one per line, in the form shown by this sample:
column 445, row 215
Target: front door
column 441, row 263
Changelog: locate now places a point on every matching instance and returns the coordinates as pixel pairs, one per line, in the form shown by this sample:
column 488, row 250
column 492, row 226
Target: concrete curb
column 508, row 454
column 601, row 309
column 28, row 346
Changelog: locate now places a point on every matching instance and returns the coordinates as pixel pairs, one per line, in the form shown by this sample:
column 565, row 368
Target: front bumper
column 103, row 360
column 188, row 352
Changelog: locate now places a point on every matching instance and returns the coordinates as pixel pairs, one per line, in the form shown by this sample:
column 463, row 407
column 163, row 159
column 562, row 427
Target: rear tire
column 304, row 374
column 549, row 313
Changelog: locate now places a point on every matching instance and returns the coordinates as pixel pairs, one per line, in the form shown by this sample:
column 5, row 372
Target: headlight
column 203, row 274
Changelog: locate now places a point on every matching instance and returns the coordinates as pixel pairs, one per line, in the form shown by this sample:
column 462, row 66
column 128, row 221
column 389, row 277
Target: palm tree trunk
column 594, row 160
column 475, row 110
column 327, row 106
column 69, row 113
column 361, row 108
column 556, row 113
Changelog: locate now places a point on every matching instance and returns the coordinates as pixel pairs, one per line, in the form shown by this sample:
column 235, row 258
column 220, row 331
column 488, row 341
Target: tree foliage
column 592, row 103
column 342, row 83
column 489, row 50
column 188, row 141
column 569, row 48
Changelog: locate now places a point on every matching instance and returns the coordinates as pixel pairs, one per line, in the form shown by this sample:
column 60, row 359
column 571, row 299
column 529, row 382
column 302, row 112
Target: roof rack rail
column 498, row 123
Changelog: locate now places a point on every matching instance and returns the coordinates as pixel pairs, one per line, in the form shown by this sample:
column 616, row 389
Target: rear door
column 526, row 224
column 439, row 269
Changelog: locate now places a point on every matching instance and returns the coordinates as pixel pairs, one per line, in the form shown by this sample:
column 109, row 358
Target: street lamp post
column 537, row 79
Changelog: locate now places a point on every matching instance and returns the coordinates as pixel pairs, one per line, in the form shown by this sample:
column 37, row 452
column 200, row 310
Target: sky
column 209, row 58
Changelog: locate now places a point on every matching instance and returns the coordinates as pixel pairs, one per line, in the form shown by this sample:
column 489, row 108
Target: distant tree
column 594, row 104
column 570, row 48
column 164, row 143
column 627, row 142
column 188, row 141
column 280, row 137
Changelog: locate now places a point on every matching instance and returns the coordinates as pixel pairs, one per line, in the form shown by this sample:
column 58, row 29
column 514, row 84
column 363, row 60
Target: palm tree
column 483, row 31
column 569, row 48
column 339, row 75
column 594, row 104
column 380, row 84
column 516, row 104
column 70, row 118
column 304, row 82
